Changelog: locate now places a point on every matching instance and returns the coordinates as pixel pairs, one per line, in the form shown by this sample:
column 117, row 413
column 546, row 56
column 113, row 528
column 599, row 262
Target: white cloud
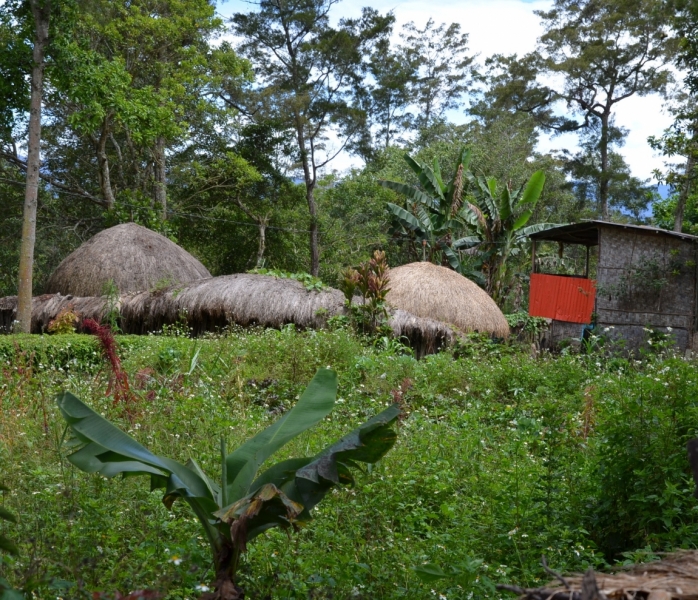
column 508, row 27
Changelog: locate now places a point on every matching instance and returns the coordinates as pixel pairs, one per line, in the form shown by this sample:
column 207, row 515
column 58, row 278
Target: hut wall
column 560, row 333
column 645, row 280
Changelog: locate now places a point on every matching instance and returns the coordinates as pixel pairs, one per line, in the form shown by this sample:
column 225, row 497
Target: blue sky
column 507, row 27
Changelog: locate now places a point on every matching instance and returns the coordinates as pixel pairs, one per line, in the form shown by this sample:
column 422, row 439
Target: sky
column 507, row 27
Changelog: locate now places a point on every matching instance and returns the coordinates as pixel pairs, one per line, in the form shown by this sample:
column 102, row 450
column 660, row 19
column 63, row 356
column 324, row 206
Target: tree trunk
column 41, row 13
column 604, row 180
column 309, row 179
column 314, row 237
column 159, row 172
column 103, row 162
column 262, row 223
column 687, row 183
column 685, row 191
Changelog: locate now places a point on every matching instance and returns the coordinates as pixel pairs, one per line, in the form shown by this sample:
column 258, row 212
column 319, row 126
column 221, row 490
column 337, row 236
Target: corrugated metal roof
column 587, row 232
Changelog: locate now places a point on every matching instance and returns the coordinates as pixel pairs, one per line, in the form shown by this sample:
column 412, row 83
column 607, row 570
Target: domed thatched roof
column 435, row 292
column 134, row 257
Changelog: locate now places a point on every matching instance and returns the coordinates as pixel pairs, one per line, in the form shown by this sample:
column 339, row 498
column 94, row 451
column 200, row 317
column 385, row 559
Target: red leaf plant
column 118, row 381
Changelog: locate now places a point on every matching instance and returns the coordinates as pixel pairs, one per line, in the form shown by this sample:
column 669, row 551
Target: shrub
column 642, row 478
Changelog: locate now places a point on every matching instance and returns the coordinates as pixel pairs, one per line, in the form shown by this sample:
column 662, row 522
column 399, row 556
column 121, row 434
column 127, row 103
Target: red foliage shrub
column 118, row 381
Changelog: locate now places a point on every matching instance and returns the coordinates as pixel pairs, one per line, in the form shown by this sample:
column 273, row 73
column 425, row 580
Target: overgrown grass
column 503, row 458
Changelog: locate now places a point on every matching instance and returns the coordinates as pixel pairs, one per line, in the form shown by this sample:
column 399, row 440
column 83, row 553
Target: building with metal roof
column 645, row 278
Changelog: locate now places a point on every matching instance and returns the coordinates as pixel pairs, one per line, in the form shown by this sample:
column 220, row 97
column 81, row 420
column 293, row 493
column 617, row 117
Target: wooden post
column 586, row 269
column 533, row 255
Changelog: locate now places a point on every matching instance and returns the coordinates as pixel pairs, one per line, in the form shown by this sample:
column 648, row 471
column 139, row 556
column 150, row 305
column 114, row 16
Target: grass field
column 501, row 458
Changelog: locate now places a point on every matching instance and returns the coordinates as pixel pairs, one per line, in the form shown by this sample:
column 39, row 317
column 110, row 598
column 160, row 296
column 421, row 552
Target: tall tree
column 624, row 192
column 606, row 51
column 40, row 17
column 139, row 78
column 681, row 139
column 308, row 75
column 443, row 70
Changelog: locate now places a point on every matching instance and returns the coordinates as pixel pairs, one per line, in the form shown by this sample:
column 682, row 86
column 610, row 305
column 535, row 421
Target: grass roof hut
column 433, row 292
column 209, row 304
column 133, row 257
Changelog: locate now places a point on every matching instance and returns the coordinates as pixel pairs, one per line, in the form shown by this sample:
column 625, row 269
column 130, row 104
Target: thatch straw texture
column 45, row 308
column 674, row 577
column 244, row 299
column 210, row 304
column 133, row 257
column 430, row 291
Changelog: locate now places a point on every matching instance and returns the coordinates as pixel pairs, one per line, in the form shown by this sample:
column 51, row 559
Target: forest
column 222, row 133
column 329, row 456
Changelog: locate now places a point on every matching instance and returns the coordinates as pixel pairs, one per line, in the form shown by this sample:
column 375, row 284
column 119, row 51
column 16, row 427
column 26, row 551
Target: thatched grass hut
column 45, row 308
column 214, row 303
column 430, row 291
column 133, row 257
column 243, row 299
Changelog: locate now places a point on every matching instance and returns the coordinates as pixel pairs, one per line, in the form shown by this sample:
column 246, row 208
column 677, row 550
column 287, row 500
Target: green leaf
column 426, row 177
column 522, row 219
column 7, row 545
column 367, row 444
column 430, row 573
column 467, row 242
column 452, row 257
column 526, row 231
column 109, row 451
column 315, row 404
column 505, row 208
column 407, row 219
column 533, row 190
column 437, row 173
column 411, row 192
column 6, row 515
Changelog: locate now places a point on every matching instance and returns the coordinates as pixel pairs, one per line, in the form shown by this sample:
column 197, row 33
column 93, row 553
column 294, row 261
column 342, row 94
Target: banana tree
column 242, row 502
column 434, row 212
column 499, row 222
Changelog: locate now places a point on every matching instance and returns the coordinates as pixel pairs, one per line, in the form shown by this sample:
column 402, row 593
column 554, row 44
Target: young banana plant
column 498, row 219
column 241, row 503
column 434, row 211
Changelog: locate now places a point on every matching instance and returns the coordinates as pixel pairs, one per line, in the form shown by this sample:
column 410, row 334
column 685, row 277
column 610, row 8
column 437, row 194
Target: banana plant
column 242, row 502
column 498, row 219
column 435, row 210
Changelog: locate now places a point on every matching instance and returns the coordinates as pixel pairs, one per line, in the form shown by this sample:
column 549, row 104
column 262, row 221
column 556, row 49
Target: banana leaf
column 426, row 177
column 407, row 219
column 411, row 192
column 533, row 190
column 316, row 402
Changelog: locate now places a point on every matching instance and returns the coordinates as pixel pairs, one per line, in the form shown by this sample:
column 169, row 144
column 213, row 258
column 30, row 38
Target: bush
column 642, row 477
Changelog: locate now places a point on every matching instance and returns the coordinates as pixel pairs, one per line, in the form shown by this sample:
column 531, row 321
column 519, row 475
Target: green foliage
column 312, row 284
column 64, row 322
column 499, row 221
column 243, row 502
column 111, row 309
column 434, row 211
column 525, row 326
column 644, row 482
column 664, row 210
column 497, row 459
column 6, row 545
